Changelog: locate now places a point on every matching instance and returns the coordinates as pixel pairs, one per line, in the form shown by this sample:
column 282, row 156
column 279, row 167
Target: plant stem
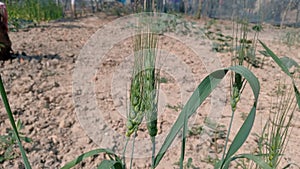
column 227, row 137
column 124, row 151
column 153, row 151
column 184, row 131
column 131, row 159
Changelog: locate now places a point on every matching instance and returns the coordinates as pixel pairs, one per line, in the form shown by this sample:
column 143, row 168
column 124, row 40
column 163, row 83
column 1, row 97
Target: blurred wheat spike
column 144, row 83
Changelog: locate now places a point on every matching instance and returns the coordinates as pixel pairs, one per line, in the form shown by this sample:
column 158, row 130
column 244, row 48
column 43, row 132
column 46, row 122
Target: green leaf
column 240, row 137
column 276, row 59
column 257, row 28
column 284, row 69
column 110, row 164
column 5, row 139
column 19, row 125
column 185, row 128
column 189, row 163
column 288, row 62
column 245, row 129
column 89, row 154
column 2, row 159
column 263, row 52
column 297, row 95
column 257, row 159
column 204, row 89
column 9, row 153
column 199, row 95
column 26, row 139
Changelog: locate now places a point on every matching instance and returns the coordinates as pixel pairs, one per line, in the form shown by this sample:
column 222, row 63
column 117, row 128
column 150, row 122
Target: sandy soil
column 42, row 94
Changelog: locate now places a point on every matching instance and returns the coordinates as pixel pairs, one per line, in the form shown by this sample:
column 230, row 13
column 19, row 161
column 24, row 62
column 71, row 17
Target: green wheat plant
column 144, row 85
column 8, row 142
column 238, row 83
column 277, row 130
column 143, row 99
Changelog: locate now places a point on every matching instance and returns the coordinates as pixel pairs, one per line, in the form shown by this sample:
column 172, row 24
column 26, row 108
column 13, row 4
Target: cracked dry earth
column 39, row 89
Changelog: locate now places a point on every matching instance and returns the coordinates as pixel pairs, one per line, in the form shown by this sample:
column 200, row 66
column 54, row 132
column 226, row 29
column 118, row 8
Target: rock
column 71, row 55
column 118, row 103
column 65, row 123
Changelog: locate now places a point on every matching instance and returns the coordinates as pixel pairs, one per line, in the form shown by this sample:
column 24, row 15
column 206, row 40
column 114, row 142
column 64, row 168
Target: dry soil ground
column 40, row 92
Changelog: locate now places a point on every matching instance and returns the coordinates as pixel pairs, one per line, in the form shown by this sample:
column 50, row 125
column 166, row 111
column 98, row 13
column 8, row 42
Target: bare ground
column 39, row 89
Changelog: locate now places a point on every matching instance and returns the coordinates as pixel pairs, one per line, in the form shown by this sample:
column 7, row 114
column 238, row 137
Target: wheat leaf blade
column 204, row 89
column 88, row 154
column 257, row 159
column 276, row 59
column 108, row 164
column 284, row 69
column 199, row 95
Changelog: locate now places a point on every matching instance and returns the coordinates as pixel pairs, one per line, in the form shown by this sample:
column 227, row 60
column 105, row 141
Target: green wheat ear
column 150, row 101
column 136, row 112
column 144, row 84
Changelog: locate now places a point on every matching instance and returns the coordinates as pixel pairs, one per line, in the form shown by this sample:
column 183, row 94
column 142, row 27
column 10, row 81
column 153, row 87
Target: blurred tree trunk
column 135, row 5
column 148, row 5
column 93, row 5
column 138, row 4
column 159, row 5
column 284, row 14
column 194, row 7
column 198, row 14
column 211, row 7
column 220, row 4
column 297, row 15
column 73, row 8
column 186, row 6
column 97, row 5
column 153, row 5
column 205, row 4
column 278, row 7
column 65, row 7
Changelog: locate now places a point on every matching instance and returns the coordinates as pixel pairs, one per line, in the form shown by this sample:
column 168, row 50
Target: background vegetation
column 23, row 13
